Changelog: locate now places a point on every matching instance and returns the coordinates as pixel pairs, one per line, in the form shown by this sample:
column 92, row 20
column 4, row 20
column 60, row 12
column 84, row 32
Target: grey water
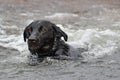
column 90, row 24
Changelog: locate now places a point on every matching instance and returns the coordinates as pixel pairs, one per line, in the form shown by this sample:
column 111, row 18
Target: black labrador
column 44, row 40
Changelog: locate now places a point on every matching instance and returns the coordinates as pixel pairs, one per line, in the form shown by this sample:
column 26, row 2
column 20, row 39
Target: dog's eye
column 30, row 29
column 43, row 29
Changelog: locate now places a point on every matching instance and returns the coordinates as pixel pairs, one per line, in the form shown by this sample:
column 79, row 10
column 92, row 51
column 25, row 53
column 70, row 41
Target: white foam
column 26, row 14
column 15, row 42
column 61, row 15
column 98, row 43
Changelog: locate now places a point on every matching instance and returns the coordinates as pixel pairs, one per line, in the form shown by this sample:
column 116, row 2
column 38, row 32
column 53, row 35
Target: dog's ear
column 27, row 32
column 59, row 33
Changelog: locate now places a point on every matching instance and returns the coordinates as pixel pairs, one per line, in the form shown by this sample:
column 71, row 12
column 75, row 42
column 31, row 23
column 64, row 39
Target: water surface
column 93, row 25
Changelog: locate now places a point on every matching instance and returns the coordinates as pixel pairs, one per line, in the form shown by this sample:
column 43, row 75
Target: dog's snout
column 33, row 43
column 33, row 38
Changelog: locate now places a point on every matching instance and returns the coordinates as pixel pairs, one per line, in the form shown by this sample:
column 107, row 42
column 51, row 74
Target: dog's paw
column 33, row 60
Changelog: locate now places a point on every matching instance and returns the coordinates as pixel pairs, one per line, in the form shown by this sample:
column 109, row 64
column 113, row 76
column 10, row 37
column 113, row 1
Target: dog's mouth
column 33, row 44
column 40, row 46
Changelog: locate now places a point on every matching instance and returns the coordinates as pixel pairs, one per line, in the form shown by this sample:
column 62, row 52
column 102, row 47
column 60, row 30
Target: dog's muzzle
column 33, row 44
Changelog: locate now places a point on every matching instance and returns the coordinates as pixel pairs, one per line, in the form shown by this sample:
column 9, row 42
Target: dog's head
column 42, row 34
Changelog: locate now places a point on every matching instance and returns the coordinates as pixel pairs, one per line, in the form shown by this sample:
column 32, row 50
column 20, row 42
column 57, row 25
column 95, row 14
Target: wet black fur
column 44, row 40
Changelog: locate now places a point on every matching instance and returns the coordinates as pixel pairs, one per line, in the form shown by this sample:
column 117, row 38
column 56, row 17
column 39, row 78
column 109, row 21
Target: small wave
column 14, row 42
column 97, row 42
column 61, row 15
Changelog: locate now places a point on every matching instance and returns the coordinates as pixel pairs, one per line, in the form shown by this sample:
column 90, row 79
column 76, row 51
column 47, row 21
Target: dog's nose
column 32, row 38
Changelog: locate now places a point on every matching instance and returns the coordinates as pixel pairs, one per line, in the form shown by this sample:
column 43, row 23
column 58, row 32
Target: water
column 95, row 27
